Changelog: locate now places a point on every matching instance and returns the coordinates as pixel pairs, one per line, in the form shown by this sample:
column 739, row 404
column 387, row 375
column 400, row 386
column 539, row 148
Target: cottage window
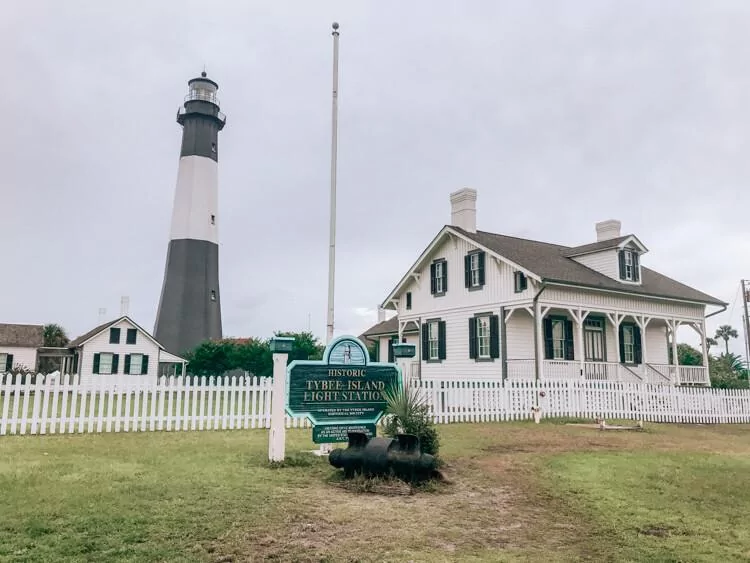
column 521, row 282
column 629, row 265
column 558, row 339
column 136, row 364
column 439, row 269
column 434, row 338
column 130, row 336
column 105, row 363
column 593, row 336
column 628, row 343
column 483, row 337
column 114, row 335
column 4, row 363
column 408, row 300
column 474, row 269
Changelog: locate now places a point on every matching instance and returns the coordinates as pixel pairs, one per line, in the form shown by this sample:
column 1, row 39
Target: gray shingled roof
column 386, row 327
column 549, row 261
column 84, row 337
column 23, row 336
column 596, row 246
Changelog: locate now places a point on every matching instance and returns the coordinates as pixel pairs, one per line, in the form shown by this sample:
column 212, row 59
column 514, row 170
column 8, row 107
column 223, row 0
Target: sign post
column 280, row 347
column 341, row 393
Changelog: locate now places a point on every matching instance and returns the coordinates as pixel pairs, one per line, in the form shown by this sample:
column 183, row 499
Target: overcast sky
column 560, row 114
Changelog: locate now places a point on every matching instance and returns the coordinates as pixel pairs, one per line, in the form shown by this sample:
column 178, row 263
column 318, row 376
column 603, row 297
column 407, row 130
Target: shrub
column 408, row 413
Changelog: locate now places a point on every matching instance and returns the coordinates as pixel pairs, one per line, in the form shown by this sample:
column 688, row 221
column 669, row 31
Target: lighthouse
column 190, row 304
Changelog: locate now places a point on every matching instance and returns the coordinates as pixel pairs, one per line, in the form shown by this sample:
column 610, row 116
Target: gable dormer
column 614, row 255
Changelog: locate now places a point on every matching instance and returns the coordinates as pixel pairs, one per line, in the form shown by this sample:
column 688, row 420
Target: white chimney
column 464, row 209
column 606, row 230
column 381, row 314
column 124, row 305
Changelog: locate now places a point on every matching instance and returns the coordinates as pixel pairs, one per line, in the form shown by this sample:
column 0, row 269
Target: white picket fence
column 130, row 404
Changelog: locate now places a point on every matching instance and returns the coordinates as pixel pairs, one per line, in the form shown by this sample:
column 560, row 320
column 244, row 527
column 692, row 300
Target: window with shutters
column 628, row 343
column 114, row 335
column 434, row 339
column 521, row 282
column 439, row 275
column 474, row 269
column 483, row 337
column 136, row 364
column 105, row 363
column 558, row 339
column 630, row 269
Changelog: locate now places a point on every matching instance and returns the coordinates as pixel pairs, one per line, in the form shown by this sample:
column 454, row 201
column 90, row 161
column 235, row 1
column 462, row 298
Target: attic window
column 213, row 295
column 521, row 282
column 629, row 265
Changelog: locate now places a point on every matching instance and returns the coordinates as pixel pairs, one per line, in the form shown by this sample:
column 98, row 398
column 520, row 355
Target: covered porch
column 560, row 342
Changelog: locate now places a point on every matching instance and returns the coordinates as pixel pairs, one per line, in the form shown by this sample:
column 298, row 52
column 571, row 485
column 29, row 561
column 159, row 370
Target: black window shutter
column 126, row 369
column 524, row 282
column 473, row 348
column 433, row 279
column 115, row 362
column 408, row 299
column 131, row 336
column 425, row 342
column 467, row 270
column 481, row 268
column 548, row 348
column 75, row 363
column 441, row 340
column 494, row 336
column 569, row 351
column 637, row 345
column 390, row 350
column 96, row 363
column 9, row 362
column 636, row 260
column 445, row 276
column 621, row 257
column 144, row 365
column 622, row 344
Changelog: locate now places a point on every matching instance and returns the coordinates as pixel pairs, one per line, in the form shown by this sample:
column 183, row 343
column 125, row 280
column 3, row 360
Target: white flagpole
column 334, row 142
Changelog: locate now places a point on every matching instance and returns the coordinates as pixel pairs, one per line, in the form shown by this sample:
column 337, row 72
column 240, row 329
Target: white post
column 334, row 142
column 277, row 435
column 581, row 344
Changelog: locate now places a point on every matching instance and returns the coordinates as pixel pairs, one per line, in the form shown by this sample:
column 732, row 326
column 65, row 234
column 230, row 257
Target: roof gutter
column 724, row 308
column 538, row 362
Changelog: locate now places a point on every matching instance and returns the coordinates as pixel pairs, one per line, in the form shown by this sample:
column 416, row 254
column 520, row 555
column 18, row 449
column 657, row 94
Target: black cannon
column 399, row 456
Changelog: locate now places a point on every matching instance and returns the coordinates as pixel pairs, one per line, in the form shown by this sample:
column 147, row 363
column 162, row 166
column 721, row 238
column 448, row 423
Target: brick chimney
column 606, row 230
column 464, row 209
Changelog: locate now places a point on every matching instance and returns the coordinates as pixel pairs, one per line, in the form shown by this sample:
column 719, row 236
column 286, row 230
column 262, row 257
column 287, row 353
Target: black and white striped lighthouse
column 190, row 303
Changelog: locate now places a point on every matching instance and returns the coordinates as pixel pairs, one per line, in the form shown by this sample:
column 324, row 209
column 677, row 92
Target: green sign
column 334, row 433
column 343, row 388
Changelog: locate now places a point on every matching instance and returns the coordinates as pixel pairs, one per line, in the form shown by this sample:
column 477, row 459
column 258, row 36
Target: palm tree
column 725, row 332
column 710, row 342
column 55, row 336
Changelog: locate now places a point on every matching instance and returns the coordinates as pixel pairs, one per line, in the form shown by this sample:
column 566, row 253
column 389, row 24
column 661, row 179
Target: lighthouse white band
column 195, row 214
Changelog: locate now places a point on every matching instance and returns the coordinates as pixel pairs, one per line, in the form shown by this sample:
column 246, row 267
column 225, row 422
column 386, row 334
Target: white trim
column 113, row 323
column 634, row 239
column 628, row 293
column 447, row 230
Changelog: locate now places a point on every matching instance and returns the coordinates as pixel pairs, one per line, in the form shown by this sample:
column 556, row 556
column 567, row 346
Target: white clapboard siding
column 121, row 403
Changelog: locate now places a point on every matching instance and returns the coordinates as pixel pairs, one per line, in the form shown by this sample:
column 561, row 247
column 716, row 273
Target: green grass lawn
column 516, row 492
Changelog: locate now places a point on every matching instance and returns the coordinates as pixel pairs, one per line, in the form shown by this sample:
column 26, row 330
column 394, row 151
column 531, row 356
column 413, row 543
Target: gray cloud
column 559, row 114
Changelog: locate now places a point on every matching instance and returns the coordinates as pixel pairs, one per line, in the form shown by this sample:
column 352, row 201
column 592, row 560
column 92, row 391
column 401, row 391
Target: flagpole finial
column 335, row 26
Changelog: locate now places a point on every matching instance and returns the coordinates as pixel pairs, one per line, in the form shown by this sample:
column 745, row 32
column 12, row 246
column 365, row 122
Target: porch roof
column 385, row 328
column 549, row 261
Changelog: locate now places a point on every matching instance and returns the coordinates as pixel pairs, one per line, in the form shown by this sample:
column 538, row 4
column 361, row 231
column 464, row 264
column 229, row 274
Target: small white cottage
column 122, row 347
column 18, row 346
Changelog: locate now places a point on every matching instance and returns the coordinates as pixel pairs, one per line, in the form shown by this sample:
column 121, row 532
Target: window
column 521, row 282
column 114, row 335
column 629, row 265
column 483, row 337
column 136, row 364
column 439, row 277
column 558, row 338
column 408, row 300
column 213, row 219
column 105, row 363
column 213, row 295
column 6, row 362
column 593, row 338
column 628, row 344
column 131, row 336
column 474, row 270
column 433, row 340
column 213, row 148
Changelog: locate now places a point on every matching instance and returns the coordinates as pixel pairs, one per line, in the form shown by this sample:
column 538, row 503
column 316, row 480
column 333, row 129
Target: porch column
column 673, row 326
column 616, row 319
column 704, row 347
column 581, row 347
column 539, row 340
column 643, row 324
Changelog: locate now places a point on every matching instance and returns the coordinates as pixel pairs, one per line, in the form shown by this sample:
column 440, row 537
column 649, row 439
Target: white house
column 122, row 347
column 18, row 346
column 485, row 305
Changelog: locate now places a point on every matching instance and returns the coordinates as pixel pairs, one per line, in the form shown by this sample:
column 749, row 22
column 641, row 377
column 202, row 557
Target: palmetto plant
column 725, row 332
column 407, row 412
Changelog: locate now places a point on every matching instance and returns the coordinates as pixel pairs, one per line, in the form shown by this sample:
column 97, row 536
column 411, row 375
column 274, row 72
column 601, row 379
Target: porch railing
column 692, row 375
column 521, row 369
column 600, row 371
